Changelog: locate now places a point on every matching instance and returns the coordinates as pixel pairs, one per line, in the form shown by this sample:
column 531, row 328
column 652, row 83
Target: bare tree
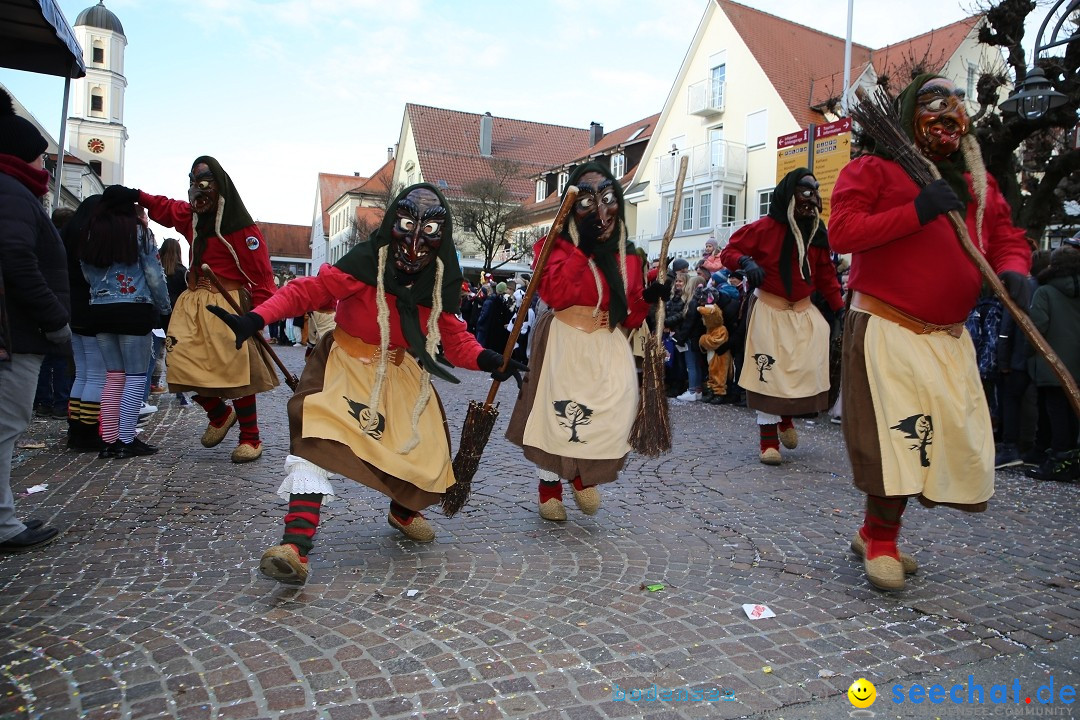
column 488, row 209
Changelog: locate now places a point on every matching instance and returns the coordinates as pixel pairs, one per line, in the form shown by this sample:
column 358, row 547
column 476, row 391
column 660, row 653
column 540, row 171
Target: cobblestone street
column 152, row 606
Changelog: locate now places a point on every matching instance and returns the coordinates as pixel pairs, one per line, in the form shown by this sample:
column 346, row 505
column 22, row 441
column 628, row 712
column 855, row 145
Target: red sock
column 216, row 409
column 249, row 420
column 882, row 525
column 403, row 514
column 769, row 438
column 578, row 485
column 785, row 423
column 549, row 490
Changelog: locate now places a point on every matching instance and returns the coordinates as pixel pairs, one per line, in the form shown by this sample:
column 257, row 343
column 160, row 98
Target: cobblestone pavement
column 151, row 605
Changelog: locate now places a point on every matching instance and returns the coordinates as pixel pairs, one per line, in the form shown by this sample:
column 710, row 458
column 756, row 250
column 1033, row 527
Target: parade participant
column 201, row 357
column 365, row 407
column 785, row 257
column 915, row 419
column 577, row 405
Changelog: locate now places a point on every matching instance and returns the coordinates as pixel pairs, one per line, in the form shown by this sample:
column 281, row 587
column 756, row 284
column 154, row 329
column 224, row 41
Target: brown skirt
column 337, row 457
column 591, row 472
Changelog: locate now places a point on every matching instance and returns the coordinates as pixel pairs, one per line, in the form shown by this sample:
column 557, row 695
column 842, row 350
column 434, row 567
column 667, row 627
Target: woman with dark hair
column 176, row 282
column 84, row 404
column 127, row 291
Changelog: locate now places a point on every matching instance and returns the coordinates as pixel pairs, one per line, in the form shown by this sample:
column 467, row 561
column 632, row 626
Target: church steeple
column 98, row 134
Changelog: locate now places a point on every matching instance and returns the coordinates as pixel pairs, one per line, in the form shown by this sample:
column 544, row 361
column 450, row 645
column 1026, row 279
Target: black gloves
column 117, row 194
column 755, row 274
column 657, row 291
column 936, row 199
column 1018, row 288
column 60, row 335
column 490, row 361
column 243, row 326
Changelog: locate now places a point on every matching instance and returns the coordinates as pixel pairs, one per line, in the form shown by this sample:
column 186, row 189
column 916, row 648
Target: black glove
column 657, row 291
column 60, row 335
column 936, row 199
column 243, row 326
column 490, row 361
column 755, row 274
column 1018, row 288
column 117, row 194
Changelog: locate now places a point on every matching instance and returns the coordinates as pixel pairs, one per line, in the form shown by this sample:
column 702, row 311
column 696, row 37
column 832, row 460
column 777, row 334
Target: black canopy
column 36, row 37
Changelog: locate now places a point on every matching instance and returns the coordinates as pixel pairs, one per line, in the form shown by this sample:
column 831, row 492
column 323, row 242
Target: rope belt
column 366, row 352
column 885, row 311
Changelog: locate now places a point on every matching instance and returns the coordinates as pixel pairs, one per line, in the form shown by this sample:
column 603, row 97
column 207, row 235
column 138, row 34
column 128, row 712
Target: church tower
column 97, row 133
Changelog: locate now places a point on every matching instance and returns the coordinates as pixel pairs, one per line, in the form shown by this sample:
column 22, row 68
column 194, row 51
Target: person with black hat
column 34, row 313
column 365, row 407
column 915, row 417
column 578, row 403
column 201, row 358
column 785, row 257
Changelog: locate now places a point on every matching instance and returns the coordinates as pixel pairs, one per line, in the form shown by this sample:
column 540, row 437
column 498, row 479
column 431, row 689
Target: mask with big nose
column 417, row 231
column 596, row 211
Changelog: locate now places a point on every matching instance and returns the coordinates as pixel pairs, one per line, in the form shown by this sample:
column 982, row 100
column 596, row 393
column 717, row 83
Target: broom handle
column 290, row 379
column 661, row 274
column 1021, row 316
column 534, row 282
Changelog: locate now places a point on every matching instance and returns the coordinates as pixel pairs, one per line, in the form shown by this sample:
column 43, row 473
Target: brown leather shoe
column 214, row 435
column 770, row 456
column 417, row 529
column 909, row 563
column 283, row 563
column 789, row 438
column 246, row 453
column 553, row 509
column 884, row 572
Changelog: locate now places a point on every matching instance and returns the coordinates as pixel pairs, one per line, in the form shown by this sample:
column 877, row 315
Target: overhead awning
column 36, row 37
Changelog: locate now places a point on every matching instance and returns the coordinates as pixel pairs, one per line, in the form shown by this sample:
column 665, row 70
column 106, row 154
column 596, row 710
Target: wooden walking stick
column 480, row 418
column 290, row 379
column 878, row 118
column 651, row 434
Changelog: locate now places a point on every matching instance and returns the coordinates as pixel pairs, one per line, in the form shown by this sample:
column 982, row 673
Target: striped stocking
column 769, row 438
column 301, row 522
column 216, row 409
column 111, row 394
column 130, row 404
column 249, row 420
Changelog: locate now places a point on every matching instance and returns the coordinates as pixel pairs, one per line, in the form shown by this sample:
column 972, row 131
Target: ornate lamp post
column 1034, row 97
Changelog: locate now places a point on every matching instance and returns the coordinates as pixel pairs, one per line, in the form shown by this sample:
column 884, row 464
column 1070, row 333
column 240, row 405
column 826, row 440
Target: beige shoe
column 910, row 564
column 246, row 453
column 283, row 563
column 789, row 438
column 417, row 529
column 587, row 500
column 770, row 456
column 553, row 509
column 884, row 572
column 214, row 435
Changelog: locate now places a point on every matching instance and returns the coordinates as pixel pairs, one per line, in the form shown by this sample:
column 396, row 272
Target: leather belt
column 582, row 318
column 775, row 301
column 885, row 311
column 205, row 284
column 366, row 352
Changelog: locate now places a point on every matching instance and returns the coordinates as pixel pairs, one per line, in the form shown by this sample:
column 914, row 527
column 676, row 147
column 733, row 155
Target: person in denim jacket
column 119, row 260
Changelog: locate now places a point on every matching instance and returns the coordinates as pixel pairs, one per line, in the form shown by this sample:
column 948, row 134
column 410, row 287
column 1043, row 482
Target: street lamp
column 1034, row 97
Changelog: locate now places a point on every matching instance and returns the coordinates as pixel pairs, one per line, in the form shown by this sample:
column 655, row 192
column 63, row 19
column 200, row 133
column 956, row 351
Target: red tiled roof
column 286, row 240
column 936, row 47
column 619, row 136
column 369, row 217
column 448, row 147
column 331, row 187
column 381, row 181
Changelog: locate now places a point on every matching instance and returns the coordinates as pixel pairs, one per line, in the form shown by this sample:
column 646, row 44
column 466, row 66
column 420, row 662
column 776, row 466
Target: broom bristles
column 479, row 420
column 651, row 434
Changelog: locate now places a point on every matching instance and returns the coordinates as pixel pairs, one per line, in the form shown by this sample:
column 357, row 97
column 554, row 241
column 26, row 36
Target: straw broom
column 651, row 434
column 480, row 418
column 878, row 117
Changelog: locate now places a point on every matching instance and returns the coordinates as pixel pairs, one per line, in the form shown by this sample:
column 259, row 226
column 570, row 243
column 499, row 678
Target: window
column 97, row 101
column 95, row 165
column 665, row 214
column 728, row 213
column 764, row 201
column 705, row 210
column 716, row 85
column 688, row 212
column 757, row 125
column 716, row 145
column 564, row 178
column 99, row 54
column 618, row 165
column 541, row 189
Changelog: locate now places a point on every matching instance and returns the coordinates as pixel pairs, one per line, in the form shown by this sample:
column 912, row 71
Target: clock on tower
column 95, row 145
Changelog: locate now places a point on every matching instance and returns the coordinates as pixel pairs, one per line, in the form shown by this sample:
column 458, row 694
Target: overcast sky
column 280, row 90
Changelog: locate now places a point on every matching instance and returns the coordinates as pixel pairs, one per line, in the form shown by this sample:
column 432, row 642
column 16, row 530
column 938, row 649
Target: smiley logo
column 862, row 693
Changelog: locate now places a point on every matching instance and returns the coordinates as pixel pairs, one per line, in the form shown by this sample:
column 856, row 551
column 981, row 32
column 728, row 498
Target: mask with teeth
column 417, row 231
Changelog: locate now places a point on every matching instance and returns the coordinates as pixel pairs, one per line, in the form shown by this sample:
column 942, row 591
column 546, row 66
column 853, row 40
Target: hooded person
column 785, row 257
column 201, row 356
column 365, row 407
column 915, row 417
column 577, row 404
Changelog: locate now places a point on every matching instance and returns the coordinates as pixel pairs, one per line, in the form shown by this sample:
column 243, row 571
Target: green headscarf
column 778, row 211
column 606, row 254
column 234, row 216
column 362, row 262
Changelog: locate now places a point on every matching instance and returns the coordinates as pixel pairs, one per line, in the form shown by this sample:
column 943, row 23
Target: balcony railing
column 717, row 160
column 705, row 98
column 688, row 243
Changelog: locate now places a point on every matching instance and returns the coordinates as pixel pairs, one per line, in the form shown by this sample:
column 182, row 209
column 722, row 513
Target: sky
column 281, row 90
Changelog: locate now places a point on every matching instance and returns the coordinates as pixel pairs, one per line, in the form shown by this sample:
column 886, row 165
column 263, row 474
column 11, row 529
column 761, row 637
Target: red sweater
column 921, row 270
column 762, row 240
column 567, row 280
column 248, row 243
column 358, row 316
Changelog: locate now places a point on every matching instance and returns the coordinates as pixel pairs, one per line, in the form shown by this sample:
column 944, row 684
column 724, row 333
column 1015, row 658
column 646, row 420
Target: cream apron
column 787, row 351
column 584, row 408
column 933, row 422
